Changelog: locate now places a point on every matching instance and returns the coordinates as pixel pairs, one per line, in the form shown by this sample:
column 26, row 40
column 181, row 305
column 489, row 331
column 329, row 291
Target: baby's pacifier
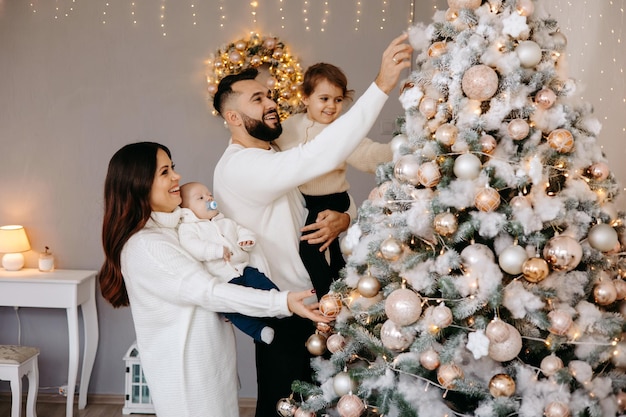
column 211, row 205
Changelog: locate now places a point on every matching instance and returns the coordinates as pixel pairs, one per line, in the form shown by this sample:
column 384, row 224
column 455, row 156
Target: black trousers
column 283, row 361
column 322, row 272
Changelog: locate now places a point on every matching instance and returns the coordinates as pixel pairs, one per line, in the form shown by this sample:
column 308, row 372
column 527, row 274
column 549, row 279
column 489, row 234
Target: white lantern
column 137, row 399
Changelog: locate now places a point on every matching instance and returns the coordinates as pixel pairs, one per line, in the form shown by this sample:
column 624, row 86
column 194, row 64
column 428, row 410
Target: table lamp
column 13, row 241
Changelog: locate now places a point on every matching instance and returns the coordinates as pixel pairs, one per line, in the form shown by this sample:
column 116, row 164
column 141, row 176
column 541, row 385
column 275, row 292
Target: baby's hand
column 245, row 243
column 227, row 254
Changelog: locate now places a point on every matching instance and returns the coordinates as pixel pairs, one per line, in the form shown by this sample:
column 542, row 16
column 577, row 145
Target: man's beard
column 258, row 129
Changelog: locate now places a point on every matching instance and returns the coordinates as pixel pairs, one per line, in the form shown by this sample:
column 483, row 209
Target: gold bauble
column 429, row 359
column 563, row 253
column 323, row 327
column 556, row 409
column 599, row 171
column 487, row 199
column 488, row 144
column 621, row 401
column 535, row 269
column 502, row 385
column 428, row 174
column 561, row 140
column 316, row 344
column 391, row 249
column 330, row 305
column 620, row 287
column 437, row 49
column 368, row 286
column 604, row 293
column 241, row 45
column 447, row 374
column 446, row 134
column 445, row 224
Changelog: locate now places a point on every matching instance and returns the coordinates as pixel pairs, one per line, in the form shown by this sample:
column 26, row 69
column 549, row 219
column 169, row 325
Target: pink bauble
column 487, row 199
column 604, row 293
column 303, row 413
column 445, row 223
column 563, row 253
column 448, row 373
column 335, row 343
column 212, row 89
column 497, row 331
column 241, row 45
column 620, row 288
column 437, row 49
column 551, row 364
column 270, row 83
column 488, row 144
column 428, row 107
column 561, row 140
column 621, row 401
column 560, row 322
column 518, row 129
column 429, row 359
column 525, row 7
column 556, row 409
column 350, row 406
column 235, row 57
column 545, row 98
column 441, row 316
column 509, row 348
column 428, row 174
column 395, row 337
column 269, row 43
column 480, row 82
column 464, row 4
column 446, row 134
column 599, row 171
column 330, row 305
column 403, row 306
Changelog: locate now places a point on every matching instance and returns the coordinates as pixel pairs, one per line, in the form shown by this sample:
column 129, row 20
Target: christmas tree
column 485, row 270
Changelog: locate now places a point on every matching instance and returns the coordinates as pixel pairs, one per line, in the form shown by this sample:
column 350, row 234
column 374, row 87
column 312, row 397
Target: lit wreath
column 285, row 74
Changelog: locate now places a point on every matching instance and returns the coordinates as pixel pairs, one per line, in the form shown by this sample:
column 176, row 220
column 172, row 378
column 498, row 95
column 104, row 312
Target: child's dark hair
column 323, row 71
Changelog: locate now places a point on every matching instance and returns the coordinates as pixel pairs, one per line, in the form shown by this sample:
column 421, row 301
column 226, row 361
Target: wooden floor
column 55, row 409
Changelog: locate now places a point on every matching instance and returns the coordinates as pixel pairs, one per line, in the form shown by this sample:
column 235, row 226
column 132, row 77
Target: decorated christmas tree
column 485, row 271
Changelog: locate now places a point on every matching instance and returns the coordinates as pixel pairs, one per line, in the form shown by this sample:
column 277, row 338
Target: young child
column 222, row 245
column 324, row 89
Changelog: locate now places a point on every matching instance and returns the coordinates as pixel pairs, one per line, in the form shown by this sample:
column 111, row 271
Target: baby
column 222, row 245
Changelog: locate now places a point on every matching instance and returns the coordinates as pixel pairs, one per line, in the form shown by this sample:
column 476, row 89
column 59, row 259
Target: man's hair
column 225, row 87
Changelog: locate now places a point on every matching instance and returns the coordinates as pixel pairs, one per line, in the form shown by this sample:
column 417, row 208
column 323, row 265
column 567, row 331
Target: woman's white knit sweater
column 187, row 349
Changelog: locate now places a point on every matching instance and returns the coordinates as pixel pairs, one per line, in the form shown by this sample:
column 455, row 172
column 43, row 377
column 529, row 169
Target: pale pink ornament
column 391, row 249
column 269, row 43
column 480, row 82
column 429, row 359
column 448, row 373
column 561, row 140
column 529, row 53
column 556, row 409
column 620, row 288
column 330, row 304
column 464, row 4
column 437, row 49
column 560, row 322
column 487, row 199
column 497, row 331
column 368, row 286
column 235, row 57
column 451, row 15
column 604, row 293
column 441, row 316
column 509, row 348
column 303, row 413
column 335, row 343
column 563, row 253
column 428, row 107
column 398, row 142
column 501, row 385
column 343, row 384
column 395, row 337
column 545, row 98
column 602, row 237
column 488, row 144
column 428, row 174
column 212, row 89
column 271, row 83
column 316, row 344
column 241, row 45
column 511, row 259
column 599, row 171
column 621, row 401
column 551, row 364
column 350, row 406
column 525, row 7
column 446, row 134
column 520, row 202
column 445, row 223
column 406, row 169
column 518, row 129
column 255, row 60
column 403, row 306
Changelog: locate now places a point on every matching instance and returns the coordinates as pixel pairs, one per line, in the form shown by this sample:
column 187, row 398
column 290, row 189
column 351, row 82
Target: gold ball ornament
column 561, row 140
column 501, row 385
column 447, row 374
column 488, row 144
column 529, row 53
column 464, row 4
column 429, row 359
column 316, row 344
column 497, row 331
column 621, row 401
column 343, row 384
column 350, row 406
column 406, row 169
column 487, row 199
column 428, row 174
column 620, row 288
column 403, row 306
column 269, row 43
column 604, row 293
column 518, row 129
column 563, row 253
column 428, row 107
column 437, row 49
column 545, row 98
column 323, row 327
column 286, row 407
column 391, row 249
column 599, row 171
column 303, row 413
column 560, row 322
column 511, row 259
column 335, row 343
column 446, row 134
column 368, row 286
column 556, row 409
column 509, row 348
column 330, row 305
column 451, row 15
column 445, row 224
column 255, row 60
column 480, row 82
column 535, row 269
column 278, row 53
column 551, row 364
column 395, row 337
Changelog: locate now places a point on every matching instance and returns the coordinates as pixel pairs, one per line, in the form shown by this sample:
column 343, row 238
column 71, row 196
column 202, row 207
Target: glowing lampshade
column 13, row 241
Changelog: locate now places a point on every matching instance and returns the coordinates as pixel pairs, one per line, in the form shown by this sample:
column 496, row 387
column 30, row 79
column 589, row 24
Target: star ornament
column 478, row 344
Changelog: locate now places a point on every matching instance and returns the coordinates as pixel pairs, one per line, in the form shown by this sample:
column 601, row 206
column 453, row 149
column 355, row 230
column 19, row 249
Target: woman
column 187, row 349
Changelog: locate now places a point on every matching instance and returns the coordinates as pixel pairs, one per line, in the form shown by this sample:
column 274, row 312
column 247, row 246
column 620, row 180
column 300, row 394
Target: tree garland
column 285, row 75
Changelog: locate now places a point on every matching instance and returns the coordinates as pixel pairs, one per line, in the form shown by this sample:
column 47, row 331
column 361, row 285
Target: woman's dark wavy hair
column 126, row 210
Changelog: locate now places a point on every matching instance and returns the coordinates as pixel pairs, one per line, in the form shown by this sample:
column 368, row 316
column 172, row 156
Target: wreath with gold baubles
column 278, row 69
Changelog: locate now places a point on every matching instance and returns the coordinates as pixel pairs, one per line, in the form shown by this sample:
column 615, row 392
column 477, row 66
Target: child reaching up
column 324, row 88
column 222, row 245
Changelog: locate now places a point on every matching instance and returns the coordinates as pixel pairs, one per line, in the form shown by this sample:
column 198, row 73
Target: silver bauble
column 286, row 407
column 343, row 384
column 563, row 253
column 403, row 306
column 467, row 166
column 602, row 237
column 551, row 364
column 480, row 82
column 316, row 344
column 405, row 169
column 508, row 349
column 368, row 286
column 512, row 259
column 391, row 249
column 395, row 337
column 529, row 53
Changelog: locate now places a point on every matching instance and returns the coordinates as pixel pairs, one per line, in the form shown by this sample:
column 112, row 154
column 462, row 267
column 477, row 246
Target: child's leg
column 254, row 278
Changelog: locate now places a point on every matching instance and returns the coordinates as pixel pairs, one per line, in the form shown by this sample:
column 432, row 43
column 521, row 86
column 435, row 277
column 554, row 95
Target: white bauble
column 551, row 364
column 509, row 348
column 395, row 337
column 467, row 166
column 529, row 53
column 343, row 384
column 406, row 168
column 512, row 259
column 476, row 254
column 602, row 237
column 398, row 142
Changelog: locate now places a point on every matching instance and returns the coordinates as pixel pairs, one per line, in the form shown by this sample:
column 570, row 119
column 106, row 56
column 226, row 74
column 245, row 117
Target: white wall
column 75, row 88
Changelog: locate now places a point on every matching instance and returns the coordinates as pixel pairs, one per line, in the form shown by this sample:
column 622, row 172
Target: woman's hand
column 328, row 225
column 295, row 302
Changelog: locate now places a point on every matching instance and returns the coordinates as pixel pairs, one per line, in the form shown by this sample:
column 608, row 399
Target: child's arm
column 198, row 248
column 369, row 154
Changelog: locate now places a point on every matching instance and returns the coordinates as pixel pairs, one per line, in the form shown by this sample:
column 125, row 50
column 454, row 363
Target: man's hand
column 328, row 225
column 396, row 58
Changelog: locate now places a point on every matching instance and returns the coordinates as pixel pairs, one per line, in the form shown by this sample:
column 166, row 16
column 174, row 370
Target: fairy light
column 193, row 14
column 254, row 4
column 383, row 15
column 222, row 15
column 282, row 14
column 132, row 12
column 357, row 20
column 162, row 17
column 411, row 13
column 32, row 6
column 324, row 17
column 305, row 15
column 104, row 13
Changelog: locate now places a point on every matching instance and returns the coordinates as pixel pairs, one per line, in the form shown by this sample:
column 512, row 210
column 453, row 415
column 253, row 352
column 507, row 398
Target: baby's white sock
column 267, row 335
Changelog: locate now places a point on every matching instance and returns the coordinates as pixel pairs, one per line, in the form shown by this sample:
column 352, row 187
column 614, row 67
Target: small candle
column 46, row 261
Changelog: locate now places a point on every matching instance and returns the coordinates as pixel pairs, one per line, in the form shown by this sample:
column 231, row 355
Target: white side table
column 66, row 289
